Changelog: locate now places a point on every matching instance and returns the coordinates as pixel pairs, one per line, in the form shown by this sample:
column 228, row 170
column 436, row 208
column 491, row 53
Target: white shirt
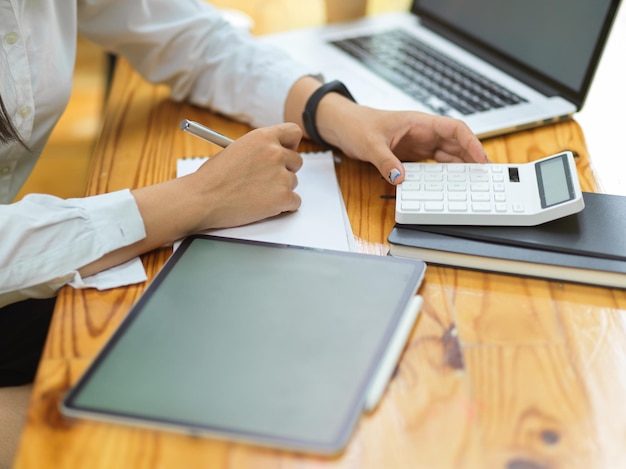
column 185, row 44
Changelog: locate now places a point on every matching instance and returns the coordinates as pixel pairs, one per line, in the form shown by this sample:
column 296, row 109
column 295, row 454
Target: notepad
column 320, row 222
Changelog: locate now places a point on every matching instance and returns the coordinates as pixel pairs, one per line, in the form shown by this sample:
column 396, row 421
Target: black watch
column 308, row 116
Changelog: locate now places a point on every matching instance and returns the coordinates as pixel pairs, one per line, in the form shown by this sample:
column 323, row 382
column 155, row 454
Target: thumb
column 289, row 135
column 389, row 166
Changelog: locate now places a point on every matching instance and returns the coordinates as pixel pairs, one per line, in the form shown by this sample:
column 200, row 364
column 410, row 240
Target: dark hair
column 8, row 132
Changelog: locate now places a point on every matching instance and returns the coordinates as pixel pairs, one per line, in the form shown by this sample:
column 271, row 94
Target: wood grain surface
column 499, row 371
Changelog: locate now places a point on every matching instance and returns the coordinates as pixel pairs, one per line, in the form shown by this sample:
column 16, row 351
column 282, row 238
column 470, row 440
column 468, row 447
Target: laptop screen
column 560, row 40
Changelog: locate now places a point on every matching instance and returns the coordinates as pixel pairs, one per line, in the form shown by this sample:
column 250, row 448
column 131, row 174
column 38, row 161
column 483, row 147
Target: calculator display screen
column 554, row 180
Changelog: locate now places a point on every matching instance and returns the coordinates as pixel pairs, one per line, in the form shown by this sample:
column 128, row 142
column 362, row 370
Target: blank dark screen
column 555, row 37
column 209, row 347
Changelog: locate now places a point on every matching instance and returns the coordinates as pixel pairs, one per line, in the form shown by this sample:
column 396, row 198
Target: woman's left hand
column 387, row 138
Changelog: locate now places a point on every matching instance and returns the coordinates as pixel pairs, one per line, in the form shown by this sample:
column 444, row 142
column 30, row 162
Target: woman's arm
column 384, row 138
column 252, row 179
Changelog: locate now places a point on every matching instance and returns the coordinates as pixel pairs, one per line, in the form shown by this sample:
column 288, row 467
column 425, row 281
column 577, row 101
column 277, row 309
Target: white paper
column 320, row 222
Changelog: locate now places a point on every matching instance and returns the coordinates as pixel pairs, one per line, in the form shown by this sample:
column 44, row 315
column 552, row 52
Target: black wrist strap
column 310, row 110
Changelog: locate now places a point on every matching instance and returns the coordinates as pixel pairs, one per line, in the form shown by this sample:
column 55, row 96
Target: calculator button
column 457, row 207
column 433, row 186
column 481, row 197
column 498, row 187
column 455, row 168
column 433, row 206
column 479, row 178
column 433, row 168
column 518, row 208
column 457, row 196
column 410, row 186
column 480, row 187
column 500, row 207
column 411, row 176
column 433, row 177
column 481, row 207
column 499, row 197
column 457, row 177
column 457, row 187
column 423, row 196
column 411, row 205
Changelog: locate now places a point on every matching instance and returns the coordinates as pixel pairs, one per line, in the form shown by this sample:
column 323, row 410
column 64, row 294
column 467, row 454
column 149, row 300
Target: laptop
column 499, row 65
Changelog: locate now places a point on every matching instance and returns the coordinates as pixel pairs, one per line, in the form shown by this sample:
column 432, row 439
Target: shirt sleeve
column 45, row 240
column 187, row 45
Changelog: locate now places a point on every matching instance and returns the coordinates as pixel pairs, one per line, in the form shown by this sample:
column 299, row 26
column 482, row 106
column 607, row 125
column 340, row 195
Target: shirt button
column 24, row 112
column 11, row 38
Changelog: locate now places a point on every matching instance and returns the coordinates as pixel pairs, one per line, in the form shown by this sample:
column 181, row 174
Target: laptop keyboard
column 425, row 74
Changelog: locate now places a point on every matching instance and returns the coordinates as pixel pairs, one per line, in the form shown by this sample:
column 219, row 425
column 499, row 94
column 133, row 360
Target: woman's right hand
column 252, row 179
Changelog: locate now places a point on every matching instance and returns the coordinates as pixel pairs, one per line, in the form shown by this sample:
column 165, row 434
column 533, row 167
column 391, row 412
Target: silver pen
column 200, row 131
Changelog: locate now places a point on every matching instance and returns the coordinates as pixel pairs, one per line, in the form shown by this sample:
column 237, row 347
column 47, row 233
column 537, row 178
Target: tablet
column 271, row 344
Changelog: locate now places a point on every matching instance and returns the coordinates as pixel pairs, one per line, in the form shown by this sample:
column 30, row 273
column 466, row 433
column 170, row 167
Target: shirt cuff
column 115, row 220
column 127, row 273
column 120, row 205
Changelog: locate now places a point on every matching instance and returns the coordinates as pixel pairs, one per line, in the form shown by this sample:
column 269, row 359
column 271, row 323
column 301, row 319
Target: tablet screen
column 266, row 343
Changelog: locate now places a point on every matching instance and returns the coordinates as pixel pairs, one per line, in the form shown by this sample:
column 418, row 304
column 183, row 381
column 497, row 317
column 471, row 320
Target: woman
column 94, row 242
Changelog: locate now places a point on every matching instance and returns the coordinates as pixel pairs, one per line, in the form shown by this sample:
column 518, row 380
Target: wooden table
column 499, row 371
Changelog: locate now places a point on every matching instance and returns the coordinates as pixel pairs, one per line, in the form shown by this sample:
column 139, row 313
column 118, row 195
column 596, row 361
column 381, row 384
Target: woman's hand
column 385, row 138
column 253, row 178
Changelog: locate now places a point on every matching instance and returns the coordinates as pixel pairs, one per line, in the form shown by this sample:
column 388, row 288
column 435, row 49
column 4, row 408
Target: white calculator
column 489, row 194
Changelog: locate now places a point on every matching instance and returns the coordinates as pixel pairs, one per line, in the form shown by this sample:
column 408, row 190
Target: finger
column 456, row 139
column 444, row 157
column 388, row 165
column 293, row 180
column 293, row 202
column 293, row 161
column 289, row 135
column 471, row 149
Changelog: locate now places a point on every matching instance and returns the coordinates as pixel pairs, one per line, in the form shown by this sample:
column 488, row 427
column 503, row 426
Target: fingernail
column 393, row 175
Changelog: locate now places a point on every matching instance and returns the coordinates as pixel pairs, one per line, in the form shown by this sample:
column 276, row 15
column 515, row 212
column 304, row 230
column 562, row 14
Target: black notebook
column 587, row 247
